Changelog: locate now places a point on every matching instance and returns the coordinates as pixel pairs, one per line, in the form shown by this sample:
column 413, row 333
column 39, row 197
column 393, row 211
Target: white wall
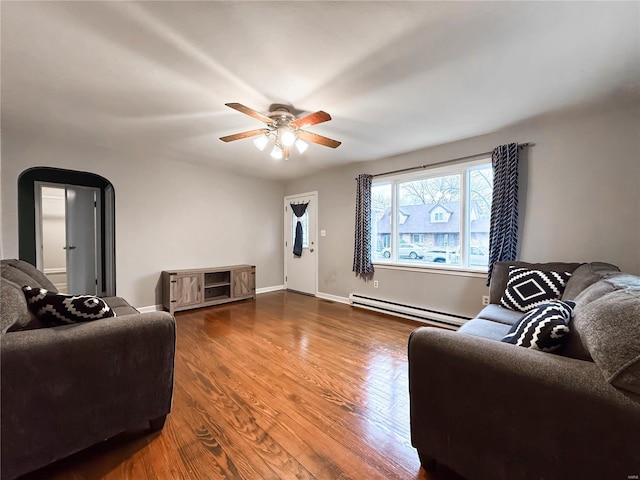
column 168, row 214
column 580, row 201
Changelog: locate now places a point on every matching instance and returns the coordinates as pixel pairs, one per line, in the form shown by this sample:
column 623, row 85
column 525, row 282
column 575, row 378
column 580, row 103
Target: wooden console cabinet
column 203, row 287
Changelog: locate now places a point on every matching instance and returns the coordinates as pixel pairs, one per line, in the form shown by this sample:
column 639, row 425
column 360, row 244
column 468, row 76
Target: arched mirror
column 66, row 228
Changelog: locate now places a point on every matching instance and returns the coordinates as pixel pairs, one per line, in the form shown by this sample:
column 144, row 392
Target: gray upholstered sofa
column 493, row 410
column 67, row 387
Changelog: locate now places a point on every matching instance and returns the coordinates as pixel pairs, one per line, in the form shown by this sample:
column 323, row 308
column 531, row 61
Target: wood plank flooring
column 283, row 387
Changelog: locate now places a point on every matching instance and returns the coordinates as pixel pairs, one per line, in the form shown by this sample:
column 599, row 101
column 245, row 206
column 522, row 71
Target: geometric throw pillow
column 544, row 328
column 526, row 289
column 58, row 309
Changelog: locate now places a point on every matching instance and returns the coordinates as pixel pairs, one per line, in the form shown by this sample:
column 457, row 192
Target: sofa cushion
column 528, row 288
column 58, row 309
column 16, row 276
column 500, row 274
column 496, row 313
column 596, row 291
column 610, row 330
column 543, row 328
column 480, row 327
column 39, row 279
column 14, row 312
column 586, row 275
column 574, row 346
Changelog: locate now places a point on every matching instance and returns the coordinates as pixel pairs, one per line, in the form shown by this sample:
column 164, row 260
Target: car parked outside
column 478, row 257
column 406, row 250
column 437, row 255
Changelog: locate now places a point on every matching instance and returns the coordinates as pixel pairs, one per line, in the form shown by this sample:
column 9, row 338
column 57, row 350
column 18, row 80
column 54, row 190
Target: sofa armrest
column 480, row 405
column 67, row 387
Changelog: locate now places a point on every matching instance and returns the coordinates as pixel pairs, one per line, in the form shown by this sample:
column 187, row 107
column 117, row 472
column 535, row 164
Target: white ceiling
column 152, row 78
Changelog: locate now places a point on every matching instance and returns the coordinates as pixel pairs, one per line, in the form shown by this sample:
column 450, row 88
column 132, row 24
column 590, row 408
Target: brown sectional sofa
column 67, row 387
column 492, row 410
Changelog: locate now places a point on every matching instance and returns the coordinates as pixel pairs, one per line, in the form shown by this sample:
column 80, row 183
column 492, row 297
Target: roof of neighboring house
column 419, row 220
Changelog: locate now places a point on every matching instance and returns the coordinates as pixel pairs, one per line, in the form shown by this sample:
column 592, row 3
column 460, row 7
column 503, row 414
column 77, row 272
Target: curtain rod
column 420, row 167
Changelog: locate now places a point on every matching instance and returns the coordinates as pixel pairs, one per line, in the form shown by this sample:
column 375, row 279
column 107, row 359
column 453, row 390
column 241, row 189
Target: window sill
column 410, row 267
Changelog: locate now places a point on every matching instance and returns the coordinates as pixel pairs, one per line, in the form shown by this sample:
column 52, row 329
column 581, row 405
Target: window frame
column 463, row 169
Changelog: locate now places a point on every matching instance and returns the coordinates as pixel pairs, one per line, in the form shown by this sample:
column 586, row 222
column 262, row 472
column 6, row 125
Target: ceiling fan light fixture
column 286, row 136
column 283, row 130
column 301, row 146
column 261, row 142
column 276, row 153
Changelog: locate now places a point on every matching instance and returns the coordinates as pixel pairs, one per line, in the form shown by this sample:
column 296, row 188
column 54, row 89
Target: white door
column 75, row 237
column 109, row 247
column 82, row 237
column 68, row 235
column 301, row 273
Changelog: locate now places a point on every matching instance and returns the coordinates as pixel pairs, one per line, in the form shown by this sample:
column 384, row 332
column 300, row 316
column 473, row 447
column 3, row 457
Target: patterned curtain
column 362, row 246
column 298, row 210
column 503, row 234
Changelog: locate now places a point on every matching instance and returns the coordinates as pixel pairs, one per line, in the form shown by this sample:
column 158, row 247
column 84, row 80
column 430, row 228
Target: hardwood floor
column 284, row 387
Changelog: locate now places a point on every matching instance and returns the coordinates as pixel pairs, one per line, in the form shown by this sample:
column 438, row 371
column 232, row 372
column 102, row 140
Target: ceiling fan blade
column 311, row 119
column 240, row 136
column 249, row 111
column 319, row 139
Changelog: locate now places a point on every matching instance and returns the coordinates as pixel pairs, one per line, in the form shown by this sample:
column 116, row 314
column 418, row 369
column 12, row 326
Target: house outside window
column 434, row 218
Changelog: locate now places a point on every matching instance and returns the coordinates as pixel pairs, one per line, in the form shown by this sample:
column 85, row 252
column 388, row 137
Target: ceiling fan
column 283, row 129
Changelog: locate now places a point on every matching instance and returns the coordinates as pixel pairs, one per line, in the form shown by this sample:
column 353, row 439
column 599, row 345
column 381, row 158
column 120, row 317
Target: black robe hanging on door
column 298, row 210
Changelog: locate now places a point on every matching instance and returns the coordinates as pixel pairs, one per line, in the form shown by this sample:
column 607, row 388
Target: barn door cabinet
column 204, row 287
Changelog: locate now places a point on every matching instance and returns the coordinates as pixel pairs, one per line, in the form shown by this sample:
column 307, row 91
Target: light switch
column 323, row 233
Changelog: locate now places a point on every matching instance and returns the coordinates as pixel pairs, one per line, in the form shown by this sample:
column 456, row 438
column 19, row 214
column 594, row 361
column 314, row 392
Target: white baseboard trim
column 54, row 271
column 274, row 288
column 151, row 308
column 333, row 298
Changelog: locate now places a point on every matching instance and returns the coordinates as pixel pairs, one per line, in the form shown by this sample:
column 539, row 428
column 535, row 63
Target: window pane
column 429, row 210
column 380, row 222
column 480, row 194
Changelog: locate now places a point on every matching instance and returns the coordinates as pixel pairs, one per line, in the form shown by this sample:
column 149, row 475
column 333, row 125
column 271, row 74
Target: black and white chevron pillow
column 526, row 289
column 544, row 328
column 58, row 309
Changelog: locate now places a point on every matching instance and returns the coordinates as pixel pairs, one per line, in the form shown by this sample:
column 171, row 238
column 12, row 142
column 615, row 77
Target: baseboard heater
column 444, row 319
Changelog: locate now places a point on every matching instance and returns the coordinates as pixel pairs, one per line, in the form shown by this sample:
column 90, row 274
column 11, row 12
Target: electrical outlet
column 485, row 300
column 375, row 284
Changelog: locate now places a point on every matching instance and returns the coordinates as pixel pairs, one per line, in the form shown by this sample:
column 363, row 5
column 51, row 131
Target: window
column 436, row 217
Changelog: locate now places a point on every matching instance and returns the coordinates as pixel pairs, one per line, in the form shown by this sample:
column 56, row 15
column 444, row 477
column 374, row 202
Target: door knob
column 311, row 249
column 70, row 247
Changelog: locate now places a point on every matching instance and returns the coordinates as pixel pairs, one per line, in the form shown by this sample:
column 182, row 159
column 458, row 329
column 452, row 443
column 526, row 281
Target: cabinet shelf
column 203, row 287
column 219, row 298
